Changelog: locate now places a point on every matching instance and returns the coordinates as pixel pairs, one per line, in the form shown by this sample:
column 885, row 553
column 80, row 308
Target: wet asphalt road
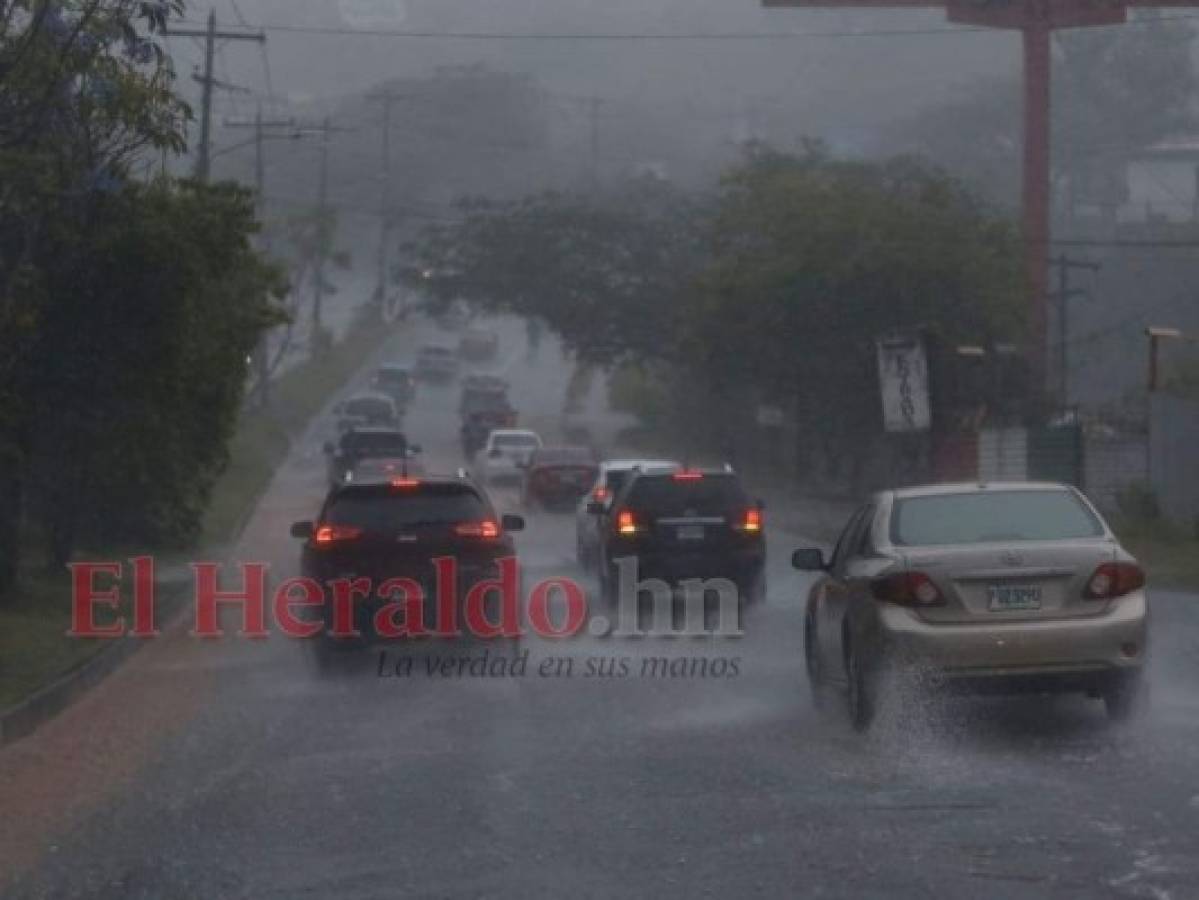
column 231, row 768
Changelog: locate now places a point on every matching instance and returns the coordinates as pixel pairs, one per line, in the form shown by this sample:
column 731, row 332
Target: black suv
column 691, row 523
column 396, row 529
column 358, row 444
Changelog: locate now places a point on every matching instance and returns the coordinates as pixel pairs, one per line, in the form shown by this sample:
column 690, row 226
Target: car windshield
column 362, row 443
column 367, row 406
column 390, row 509
column 669, row 496
column 991, row 516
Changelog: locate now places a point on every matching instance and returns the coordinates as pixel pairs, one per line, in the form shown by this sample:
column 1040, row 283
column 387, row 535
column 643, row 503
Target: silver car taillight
column 913, row 589
column 1114, row 579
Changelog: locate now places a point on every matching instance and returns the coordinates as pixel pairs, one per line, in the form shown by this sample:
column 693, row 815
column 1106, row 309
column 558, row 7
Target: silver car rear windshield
column 991, row 516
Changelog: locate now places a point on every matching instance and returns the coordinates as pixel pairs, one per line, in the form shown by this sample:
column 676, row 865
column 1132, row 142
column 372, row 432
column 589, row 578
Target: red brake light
column 487, row 529
column 1112, row 580
column 907, row 589
column 600, row 494
column 405, row 482
column 330, row 534
column 625, row 523
column 753, row 520
column 688, row 475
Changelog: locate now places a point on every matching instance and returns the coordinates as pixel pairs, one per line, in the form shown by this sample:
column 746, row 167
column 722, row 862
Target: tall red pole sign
column 1035, row 19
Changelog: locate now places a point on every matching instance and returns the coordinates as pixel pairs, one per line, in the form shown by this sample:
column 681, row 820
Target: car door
column 831, row 597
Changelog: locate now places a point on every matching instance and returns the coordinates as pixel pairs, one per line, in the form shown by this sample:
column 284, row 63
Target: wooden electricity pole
column 208, row 81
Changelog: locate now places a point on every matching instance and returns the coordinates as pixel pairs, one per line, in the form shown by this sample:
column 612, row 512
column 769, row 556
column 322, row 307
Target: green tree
column 605, row 273
column 84, row 90
column 140, row 364
column 814, row 258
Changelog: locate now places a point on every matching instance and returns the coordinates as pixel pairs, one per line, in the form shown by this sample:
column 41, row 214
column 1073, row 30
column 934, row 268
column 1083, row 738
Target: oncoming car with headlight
column 993, row 587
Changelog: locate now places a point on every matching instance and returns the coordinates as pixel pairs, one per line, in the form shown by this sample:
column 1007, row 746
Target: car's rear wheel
column 861, row 697
column 1126, row 696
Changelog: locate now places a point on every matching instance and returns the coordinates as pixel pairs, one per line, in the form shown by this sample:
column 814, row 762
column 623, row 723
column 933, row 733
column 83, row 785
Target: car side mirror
column 329, row 448
column 415, row 449
column 595, row 508
column 808, row 559
column 513, row 523
column 302, row 530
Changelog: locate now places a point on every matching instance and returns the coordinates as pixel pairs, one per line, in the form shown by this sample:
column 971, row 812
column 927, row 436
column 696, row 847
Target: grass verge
column 34, row 646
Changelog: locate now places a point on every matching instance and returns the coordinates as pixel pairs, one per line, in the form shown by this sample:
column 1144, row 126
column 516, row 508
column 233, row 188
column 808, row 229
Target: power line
column 345, row 31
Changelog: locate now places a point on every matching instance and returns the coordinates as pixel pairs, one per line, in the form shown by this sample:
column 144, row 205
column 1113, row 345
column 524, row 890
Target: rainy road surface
column 230, row 768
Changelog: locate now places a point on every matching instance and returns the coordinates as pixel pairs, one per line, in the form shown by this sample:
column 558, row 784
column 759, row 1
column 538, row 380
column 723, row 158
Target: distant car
column 557, row 477
column 477, row 344
column 506, row 453
column 366, row 410
column 1002, row 587
column 684, row 524
column 610, row 478
column 385, row 468
column 395, row 381
column 358, row 444
column 436, row 362
column 396, row 528
column 487, row 401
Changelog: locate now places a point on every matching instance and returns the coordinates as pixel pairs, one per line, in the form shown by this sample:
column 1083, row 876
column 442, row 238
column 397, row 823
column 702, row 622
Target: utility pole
column 593, row 106
column 322, row 207
column 260, row 126
column 208, row 81
column 388, row 99
column 1062, row 297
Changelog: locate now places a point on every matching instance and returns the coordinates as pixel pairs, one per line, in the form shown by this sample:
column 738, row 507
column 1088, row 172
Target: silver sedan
column 1017, row 586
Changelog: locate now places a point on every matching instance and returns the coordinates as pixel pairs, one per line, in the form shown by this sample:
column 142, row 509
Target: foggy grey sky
column 845, row 89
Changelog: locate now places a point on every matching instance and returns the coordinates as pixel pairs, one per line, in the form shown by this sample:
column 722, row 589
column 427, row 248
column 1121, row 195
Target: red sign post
column 1035, row 19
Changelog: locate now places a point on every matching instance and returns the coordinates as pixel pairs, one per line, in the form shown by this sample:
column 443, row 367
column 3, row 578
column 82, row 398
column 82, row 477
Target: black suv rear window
column 383, row 509
column 378, row 443
column 665, row 495
column 367, row 406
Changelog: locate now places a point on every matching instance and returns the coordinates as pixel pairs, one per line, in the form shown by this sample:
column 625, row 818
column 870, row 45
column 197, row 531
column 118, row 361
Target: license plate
column 691, row 532
column 1014, row 596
